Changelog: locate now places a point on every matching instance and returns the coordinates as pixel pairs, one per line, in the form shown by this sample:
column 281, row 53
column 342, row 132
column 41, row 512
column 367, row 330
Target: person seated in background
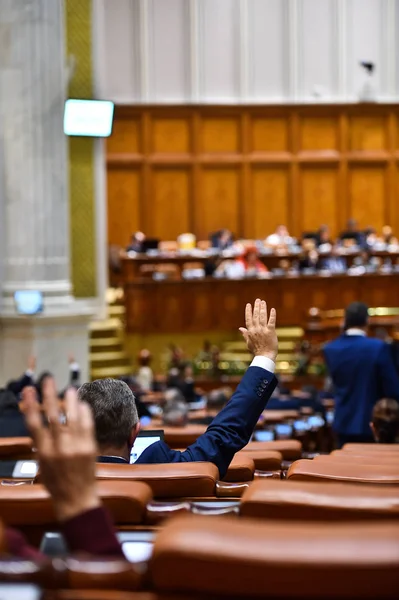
column 136, row 242
column 175, row 411
column 309, row 260
column 365, row 263
column 280, row 237
column 323, row 238
column 385, row 421
column 334, row 263
column 352, row 234
column 66, row 454
column 216, row 400
column 387, row 236
column 247, row 265
column 229, row 431
column 145, row 376
column 12, row 421
column 222, row 239
column 370, row 238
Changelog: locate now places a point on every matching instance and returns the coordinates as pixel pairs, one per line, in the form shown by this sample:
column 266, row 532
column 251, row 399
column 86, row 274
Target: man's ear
column 134, row 433
column 373, row 429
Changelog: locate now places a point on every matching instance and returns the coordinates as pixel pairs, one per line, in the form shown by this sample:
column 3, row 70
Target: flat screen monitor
column 28, row 302
column 143, row 440
column 88, row 117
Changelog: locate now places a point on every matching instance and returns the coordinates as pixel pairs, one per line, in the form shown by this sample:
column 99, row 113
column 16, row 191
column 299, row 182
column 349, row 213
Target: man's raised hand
column 259, row 331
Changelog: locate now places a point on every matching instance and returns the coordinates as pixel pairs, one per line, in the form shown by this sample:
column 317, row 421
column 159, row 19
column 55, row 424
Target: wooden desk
column 218, row 304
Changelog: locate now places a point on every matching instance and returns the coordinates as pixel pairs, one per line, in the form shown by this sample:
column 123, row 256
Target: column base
column 50, row 338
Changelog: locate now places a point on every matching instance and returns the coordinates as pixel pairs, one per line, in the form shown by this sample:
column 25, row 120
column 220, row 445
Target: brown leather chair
column 289, row 449
column 31, row 504
column 302, row 500
column 172, row 480
column 374, row 448
column 279, row 416
column 15, row 448
column 265, row 460
column 309, row 470
column 242, row 558
column 242, row 468
column 181, row 437
column 364, row 459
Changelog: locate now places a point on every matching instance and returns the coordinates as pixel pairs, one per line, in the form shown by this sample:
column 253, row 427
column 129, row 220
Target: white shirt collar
column 355, row 331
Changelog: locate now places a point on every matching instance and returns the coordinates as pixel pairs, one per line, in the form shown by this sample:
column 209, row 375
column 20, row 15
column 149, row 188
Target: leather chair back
column 172, row 480
column 374, row 448
column 241, row 468
column 15, row 448
column 289, row 449
column 181, row 437
column 265, row 460
column 302, row 500
column 224, row 556
column 32, row 505
column 309, row 470
column 355, row 459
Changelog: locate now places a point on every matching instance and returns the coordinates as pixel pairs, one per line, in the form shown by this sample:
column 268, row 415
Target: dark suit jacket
column 229, row 431
column 362, row 372
column 12, row 424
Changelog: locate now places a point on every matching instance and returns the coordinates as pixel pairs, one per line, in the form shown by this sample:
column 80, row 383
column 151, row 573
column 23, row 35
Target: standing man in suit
column 362, row 372
column 117, row 423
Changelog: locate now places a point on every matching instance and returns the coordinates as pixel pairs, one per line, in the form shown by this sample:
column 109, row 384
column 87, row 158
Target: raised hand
column 259, row 331
column 31, row 363
column 66, row 452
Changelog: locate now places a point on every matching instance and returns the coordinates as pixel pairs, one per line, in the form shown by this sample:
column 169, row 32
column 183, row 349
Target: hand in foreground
column 260, row 333
column 66, row 453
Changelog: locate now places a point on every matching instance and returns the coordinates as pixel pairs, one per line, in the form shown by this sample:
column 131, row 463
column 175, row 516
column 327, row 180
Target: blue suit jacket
column 362, row 372
column 229, row 431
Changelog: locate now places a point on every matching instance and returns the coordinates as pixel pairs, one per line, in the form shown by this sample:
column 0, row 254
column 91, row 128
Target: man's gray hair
column 114, row 410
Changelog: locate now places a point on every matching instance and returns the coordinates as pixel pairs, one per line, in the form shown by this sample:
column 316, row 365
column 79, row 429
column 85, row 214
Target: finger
column 244, row 332
column 33, row 418
column 255, row 317
column 272, row 318
column 72, row 406
column 50, row 403
column 263, row 314
column 248, row 316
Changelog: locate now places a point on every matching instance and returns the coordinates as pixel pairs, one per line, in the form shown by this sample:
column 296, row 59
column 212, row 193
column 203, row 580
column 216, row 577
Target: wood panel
column 168, row 203
column 318, row 195
column 250, row 168
column 123, row 205
column 267, row 205
column 367, row 192
column 219, row 205
column 167, row 307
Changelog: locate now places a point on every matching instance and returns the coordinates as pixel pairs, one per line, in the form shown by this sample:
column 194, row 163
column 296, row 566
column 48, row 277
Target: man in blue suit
column 362, row 372
column 117, row 424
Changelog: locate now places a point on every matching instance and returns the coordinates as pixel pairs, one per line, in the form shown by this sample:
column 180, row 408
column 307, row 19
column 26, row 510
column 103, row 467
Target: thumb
column 244, row 332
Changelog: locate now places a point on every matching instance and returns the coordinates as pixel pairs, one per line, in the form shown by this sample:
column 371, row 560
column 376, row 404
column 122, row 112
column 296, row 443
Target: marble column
column 34, row 200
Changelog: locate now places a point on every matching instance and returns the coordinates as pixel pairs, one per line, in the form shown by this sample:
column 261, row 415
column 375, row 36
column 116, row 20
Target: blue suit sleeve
column 388, row 375
column 230, row 430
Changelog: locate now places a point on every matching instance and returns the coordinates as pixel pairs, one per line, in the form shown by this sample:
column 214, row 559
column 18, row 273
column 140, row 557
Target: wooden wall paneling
column 219, row 199
column 171, row 133
column 318, row 196
column 368, row 131
column 367, row 193
column 167, row 210
column 220, row 132
column 267, row 205
column 123, row 193
column 221, row 163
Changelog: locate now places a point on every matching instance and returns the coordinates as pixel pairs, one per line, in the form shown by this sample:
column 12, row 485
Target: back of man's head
column 175, row 412
column 385, row 421
column 356, row 315
column 114, row 410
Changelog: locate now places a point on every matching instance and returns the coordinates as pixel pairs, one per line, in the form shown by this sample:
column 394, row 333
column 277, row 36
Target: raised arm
column 232, row 428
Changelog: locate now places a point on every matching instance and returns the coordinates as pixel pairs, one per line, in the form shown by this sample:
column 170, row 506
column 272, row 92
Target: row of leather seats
column 197, row 557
